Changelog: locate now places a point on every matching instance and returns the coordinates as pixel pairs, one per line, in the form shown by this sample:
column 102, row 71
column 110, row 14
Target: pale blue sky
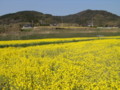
column 59, row 7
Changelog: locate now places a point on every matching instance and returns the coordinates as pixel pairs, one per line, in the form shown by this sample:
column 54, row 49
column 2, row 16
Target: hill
column 26, row 16
column 94, row 17
column 84, row 18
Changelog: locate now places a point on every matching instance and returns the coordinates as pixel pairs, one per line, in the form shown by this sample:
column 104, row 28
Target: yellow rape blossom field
column 74, row 64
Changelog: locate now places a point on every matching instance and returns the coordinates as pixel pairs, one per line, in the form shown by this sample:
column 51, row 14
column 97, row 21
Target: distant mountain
column 95, row 17
column 84, row 18
column 26, row 16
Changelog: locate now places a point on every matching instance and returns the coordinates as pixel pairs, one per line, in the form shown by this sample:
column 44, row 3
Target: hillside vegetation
column 83, row 65
column 84, row 18
column 95, row 17
column 25, row 16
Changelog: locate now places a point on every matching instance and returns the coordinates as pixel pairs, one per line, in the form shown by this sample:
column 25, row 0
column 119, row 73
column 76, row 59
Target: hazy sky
column 59, row 7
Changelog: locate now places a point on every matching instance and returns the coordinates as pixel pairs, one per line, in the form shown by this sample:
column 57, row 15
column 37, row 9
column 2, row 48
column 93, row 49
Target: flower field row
column 87, row 65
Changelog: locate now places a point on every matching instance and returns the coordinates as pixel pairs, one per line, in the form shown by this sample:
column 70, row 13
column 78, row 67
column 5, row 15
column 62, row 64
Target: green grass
column 66, row 33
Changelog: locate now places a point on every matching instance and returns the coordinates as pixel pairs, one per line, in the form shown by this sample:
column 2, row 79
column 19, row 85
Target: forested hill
column 97, row 17
column 26, row 16
column 84, row 18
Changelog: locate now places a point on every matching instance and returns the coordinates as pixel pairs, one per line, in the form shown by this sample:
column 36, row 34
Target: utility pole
column 62, row 21
column 4, row 27
column 92, row 23
column 32, row 23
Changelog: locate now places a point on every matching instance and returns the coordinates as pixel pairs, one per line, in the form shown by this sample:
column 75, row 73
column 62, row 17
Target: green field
column 65, row 32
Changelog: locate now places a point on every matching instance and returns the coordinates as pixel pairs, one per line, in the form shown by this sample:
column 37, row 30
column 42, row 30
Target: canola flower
column 14, row 42
column 84, row 65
